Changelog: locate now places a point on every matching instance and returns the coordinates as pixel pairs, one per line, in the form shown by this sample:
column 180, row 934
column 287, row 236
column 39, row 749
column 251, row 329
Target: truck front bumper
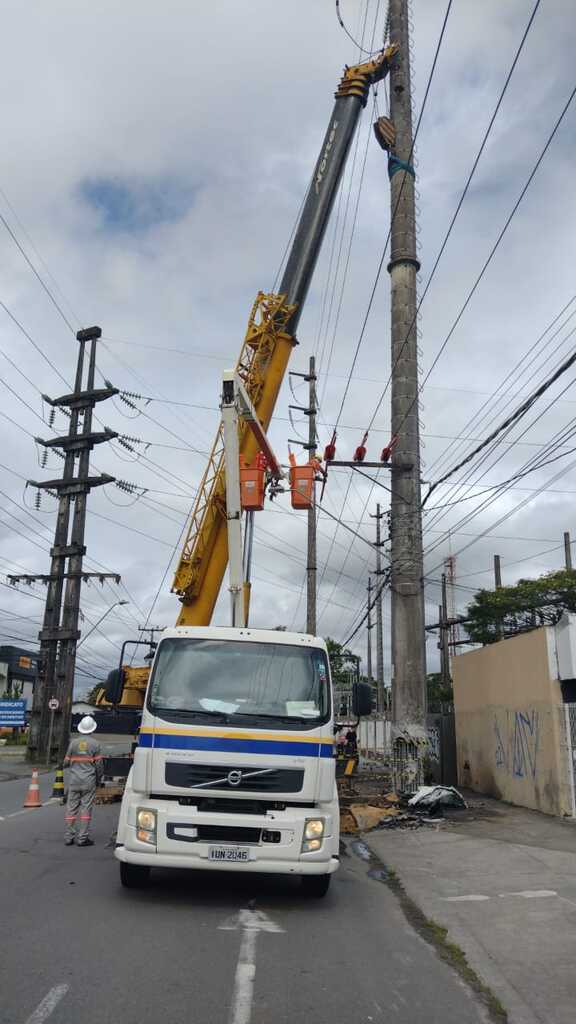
column 177, row 846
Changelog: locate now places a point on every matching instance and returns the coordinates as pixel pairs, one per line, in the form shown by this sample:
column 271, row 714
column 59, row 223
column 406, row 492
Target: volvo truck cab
column 234, row 768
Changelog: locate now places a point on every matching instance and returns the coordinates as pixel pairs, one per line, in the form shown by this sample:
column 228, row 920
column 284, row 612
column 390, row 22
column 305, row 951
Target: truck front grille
column 243, row 779
column 225, row 834
column 214, row 834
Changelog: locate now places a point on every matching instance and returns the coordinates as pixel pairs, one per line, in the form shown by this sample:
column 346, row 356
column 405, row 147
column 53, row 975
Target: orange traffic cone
column 33, row 795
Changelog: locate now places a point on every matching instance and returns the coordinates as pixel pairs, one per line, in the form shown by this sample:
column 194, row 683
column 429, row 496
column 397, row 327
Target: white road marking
column 48, row 1004
column 466, row 899
column 251, row 922
column 526, row 894
column 529, row 894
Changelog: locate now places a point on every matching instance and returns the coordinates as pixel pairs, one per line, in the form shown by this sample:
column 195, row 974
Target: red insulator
column 359, row 454
column 386, row 453
column 330, row 452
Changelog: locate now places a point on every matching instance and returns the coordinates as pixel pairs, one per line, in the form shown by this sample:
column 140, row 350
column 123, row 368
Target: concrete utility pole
column 369, row 631
column 311, row 559
column 407, row 590
column 444, row 635
column 60, row 633
column 497, row 572
column 567, row 552
column 379, row 633
column 310, row 448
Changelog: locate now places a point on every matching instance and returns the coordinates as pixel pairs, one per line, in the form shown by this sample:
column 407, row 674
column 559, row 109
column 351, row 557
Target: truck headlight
column 313, row 835
column 146, row 825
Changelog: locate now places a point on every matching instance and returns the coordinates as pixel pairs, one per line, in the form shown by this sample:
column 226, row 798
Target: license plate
column 229, row 854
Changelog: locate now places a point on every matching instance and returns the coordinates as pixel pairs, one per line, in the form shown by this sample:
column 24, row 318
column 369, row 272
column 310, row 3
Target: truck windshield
column 235, row 680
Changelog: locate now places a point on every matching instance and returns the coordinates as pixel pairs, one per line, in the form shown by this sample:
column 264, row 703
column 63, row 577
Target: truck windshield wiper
column 220, row 716
column 275, row 718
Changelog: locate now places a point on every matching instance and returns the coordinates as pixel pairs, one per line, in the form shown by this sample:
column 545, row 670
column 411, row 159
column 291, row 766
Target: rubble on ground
column 389, row 810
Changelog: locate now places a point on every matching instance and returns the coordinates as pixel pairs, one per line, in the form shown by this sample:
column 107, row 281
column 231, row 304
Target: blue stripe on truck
column 167, row 741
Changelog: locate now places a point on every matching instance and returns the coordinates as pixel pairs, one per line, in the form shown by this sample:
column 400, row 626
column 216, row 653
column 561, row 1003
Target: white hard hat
column 87, row 724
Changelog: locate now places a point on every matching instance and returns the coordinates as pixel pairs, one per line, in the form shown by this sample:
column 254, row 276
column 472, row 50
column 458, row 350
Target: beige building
column 515, row 708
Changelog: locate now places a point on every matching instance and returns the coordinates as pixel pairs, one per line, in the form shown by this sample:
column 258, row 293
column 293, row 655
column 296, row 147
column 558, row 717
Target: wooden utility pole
column 59, row 634
column 407, row 590
column 567, row 552
column 311, row 566
column 379, row 631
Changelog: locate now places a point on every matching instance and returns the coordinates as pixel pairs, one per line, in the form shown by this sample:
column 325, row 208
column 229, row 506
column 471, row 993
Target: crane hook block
column 253, row 483
column 302, row 484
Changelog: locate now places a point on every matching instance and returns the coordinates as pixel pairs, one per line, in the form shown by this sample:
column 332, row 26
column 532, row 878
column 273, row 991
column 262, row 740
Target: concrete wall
column 508, row 723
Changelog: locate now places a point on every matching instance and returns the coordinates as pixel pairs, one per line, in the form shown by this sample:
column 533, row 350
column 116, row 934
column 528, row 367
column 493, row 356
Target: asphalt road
column 77, row 947
column 13, row 792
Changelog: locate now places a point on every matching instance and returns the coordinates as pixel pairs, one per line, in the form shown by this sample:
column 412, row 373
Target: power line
column 36, row 274
column 495, row 247
column 460, row 203
column 518, row 414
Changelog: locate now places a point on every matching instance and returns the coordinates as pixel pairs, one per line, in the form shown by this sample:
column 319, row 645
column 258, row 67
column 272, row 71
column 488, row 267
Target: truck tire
column 316, row 886
column 134, row 876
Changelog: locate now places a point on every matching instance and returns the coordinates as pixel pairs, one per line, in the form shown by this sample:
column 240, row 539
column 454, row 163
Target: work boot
column 68, row 842
column 86, row 842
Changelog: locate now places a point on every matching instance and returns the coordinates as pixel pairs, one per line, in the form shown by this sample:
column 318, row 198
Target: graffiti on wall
column 434, row 743
column 517, row 738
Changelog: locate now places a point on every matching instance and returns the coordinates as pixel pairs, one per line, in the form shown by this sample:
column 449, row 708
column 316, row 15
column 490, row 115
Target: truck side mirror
column 361, row 699
column 114, row 686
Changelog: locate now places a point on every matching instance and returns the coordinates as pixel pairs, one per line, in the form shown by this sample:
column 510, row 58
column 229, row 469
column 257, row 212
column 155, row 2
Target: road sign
column 53, row 704
column 12, row 713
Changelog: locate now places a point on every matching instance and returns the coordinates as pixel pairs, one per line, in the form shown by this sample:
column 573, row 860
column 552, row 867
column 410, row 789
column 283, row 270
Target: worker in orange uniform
column 84, row 758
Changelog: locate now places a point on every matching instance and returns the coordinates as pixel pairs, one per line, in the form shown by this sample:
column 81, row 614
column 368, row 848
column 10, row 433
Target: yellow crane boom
column 267, row 347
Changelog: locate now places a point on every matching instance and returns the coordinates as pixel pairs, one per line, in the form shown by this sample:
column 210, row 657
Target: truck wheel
column 134, row 876
column 316, row 886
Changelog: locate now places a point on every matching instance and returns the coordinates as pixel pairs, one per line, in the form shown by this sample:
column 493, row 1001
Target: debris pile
column 405, row 811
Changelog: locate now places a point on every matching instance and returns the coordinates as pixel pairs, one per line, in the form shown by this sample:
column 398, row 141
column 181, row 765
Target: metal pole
column 233, row 501
column 311, row 567
column 497, row 572
column 369, row 631
column 444, row 634
column 71, row 608
column 50, row 731
column 379, row 631
column 407, row 591
column 101, row 619
column 49, row 640
column 567, row 552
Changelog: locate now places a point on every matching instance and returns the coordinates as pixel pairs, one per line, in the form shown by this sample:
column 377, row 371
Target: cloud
column 136, row 206
column 160, row 183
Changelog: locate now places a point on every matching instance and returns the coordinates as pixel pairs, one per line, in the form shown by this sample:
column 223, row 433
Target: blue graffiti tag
column 525, row 744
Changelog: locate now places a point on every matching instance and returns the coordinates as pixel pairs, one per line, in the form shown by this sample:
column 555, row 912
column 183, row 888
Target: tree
column 439, row 692
column 92, row 694
column 342, row 662
column 494, row 614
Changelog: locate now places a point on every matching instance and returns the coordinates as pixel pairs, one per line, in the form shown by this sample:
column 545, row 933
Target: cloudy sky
column 154, row 159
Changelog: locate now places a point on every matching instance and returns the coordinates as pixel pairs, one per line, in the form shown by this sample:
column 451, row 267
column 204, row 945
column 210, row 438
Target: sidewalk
column 503, row 882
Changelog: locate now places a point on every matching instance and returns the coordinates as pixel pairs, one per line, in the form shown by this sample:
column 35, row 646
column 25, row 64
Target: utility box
column 302, row 485
column 253, row 484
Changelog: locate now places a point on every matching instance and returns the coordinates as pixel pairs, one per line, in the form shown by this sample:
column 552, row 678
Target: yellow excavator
column 261, row 366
